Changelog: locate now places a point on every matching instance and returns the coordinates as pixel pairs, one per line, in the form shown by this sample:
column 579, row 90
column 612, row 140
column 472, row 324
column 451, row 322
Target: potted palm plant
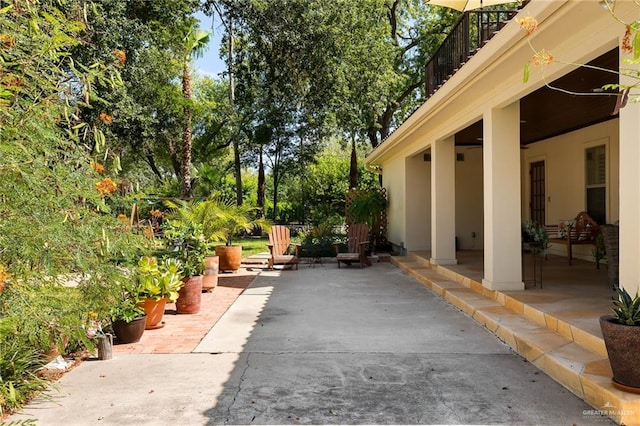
column 223, row 220
column 621, row 333
column 158, row 283
column 187, row 243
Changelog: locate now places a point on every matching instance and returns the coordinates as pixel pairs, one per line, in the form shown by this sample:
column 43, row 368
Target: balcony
column 466, row 38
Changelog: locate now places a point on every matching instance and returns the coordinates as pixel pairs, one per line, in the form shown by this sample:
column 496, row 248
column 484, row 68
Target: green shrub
column 18, row 365
column 319, row 241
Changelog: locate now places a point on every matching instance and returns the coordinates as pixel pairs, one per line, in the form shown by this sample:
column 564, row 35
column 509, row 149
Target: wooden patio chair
column 280, row 247
column 357, row 240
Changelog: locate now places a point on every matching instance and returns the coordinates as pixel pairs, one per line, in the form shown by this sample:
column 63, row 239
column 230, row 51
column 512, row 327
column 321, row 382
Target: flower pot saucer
column 625, row 388
column 155, row 327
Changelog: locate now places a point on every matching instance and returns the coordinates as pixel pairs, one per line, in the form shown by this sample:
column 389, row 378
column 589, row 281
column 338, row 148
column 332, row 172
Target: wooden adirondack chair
column 279, row 247
column 357, row 240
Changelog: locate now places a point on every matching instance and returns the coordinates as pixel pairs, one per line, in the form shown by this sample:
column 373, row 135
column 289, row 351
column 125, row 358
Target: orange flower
column 528, row 23
column 3, row 277
column 543, row 57
column 13, row 81
column 3, row 273
column 626, row 41
column 156, row 213
column 121, row 57
column 123, row 218
column 97, row 167
column 106, row 186
column 106, row 118
column 148, row 232
column 6, row 41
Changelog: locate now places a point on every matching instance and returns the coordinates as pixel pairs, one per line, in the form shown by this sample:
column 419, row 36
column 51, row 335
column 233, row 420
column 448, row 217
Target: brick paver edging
column 182, row 333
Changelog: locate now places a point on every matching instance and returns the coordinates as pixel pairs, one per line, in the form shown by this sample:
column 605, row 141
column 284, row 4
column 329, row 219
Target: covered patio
column 554, row 326
column 577, row 294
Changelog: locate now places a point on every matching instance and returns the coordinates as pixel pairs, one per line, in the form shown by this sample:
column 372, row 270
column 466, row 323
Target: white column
column 502, row 217
column 629, row 251
column 443, row 202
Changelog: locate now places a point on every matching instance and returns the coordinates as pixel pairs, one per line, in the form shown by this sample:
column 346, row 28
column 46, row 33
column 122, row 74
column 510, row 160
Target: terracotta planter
column 129, row 332
column 623, row 346
column 230, row 257
column 155, row 312
column 54, row 349
column 210, row 277
column 190, row 296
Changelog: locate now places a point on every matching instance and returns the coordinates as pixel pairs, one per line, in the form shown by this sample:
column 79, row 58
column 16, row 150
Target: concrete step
column 574, row 358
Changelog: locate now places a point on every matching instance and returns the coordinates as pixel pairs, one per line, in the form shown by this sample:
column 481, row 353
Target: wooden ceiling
column 548, row 112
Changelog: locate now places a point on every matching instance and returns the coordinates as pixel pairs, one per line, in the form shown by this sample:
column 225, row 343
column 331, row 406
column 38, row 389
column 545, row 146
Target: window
column 596, row 179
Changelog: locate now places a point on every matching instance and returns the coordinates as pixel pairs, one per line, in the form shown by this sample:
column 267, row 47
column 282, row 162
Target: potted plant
column 223, row 220
column 211, row 268
column 536, row 236
column 158, row 283
column 127, row 316
column 187, row 243
column 621, row 333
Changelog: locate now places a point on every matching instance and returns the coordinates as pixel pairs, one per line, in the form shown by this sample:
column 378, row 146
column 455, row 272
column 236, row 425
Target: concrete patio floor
column 319, row 345
column 555, row 327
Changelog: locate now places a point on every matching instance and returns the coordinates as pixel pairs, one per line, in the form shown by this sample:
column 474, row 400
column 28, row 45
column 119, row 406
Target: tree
column 348, row 68
column 194, row 44
column 224, row 9
column 147, row 110
column 319, row 194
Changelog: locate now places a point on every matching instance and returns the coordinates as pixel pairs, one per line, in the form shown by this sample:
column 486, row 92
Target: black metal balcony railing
column 471, row 32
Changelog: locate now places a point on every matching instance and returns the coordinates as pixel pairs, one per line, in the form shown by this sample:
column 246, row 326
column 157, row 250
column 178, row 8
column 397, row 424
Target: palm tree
column 194, row 44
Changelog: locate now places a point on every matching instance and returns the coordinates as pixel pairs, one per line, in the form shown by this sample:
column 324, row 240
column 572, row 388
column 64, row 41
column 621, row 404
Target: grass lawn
column 251, row 246
column 254, row 245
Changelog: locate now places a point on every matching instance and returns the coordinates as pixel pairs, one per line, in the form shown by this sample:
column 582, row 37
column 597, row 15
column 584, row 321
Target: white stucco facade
column 481, row 200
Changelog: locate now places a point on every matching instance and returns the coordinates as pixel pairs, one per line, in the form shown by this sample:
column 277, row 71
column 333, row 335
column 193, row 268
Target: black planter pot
column 129, row 332
column 623, row 346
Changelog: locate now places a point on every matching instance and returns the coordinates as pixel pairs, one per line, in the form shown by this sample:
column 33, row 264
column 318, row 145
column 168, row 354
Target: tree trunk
column 237, row 166
column 185, row 169
column 154, row 167
column 275, row 172
column 373, row 136
column 275, row 199
column 261, row 185
column 353, row 167
column 174, row 157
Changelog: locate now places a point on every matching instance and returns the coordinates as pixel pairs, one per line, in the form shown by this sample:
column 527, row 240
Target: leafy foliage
column 532, row 232
column 56, row 173
column 185, row 237
column 366, row 207
column 626, row 309
column 159, row 280
column 319, row 241
column 125, row 302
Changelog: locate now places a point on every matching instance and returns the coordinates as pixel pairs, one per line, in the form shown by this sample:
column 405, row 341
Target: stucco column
column 502, row 217
column 443, row 202
column 629, row 194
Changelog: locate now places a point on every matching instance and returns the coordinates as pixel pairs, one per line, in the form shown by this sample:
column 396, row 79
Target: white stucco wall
column 564, row 158
column 469, row 202
column 393, row 179
column 418, row 214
